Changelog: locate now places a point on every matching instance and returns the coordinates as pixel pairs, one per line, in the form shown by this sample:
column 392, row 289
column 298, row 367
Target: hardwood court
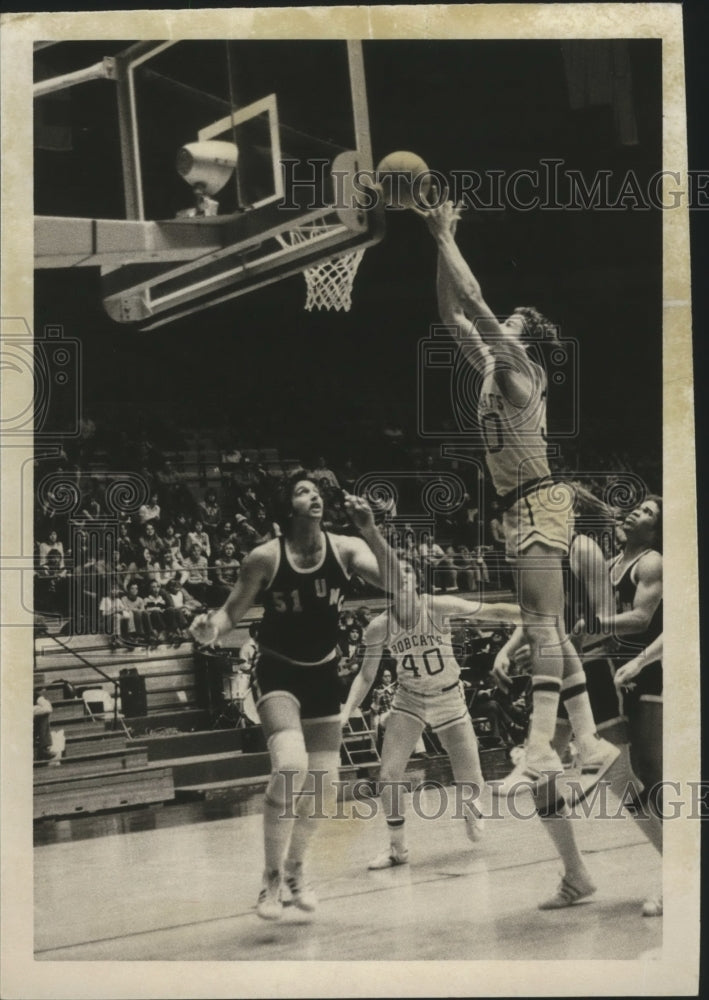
column 188, row 893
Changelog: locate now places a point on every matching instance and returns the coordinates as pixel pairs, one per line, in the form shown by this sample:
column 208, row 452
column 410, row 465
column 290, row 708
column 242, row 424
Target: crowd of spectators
column 182, row 549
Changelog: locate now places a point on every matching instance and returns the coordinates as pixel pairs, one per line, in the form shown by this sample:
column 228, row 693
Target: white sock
column 545, row 704
column 578, row 706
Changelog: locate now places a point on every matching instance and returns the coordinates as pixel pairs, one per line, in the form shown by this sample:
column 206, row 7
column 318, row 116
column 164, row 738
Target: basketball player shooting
column 536, row 520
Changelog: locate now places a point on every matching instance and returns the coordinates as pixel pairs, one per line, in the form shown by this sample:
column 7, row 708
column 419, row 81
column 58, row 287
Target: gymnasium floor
column 188, row 892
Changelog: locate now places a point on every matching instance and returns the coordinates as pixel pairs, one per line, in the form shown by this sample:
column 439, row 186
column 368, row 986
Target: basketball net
column 329, row 283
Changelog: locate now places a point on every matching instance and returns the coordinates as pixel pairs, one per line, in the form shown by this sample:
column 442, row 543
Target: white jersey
column 515, row 436
column 425, row 661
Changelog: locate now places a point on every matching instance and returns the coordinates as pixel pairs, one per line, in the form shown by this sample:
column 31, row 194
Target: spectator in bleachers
column 264, row 526
column 447, row 571
column 363, row 617
column 321, row 471
column 149, row 513
column 181, row 607
column 409, row 550
column 348, row 476
column 198, row 583
column 351, row 653
column 80, row 547
column 117, row 620
column 247, row 503
column 467, row 574
column 156, row 607
column 225, row 534
column 226, row 571
column 382, row 698
column 173, row 542
column 92, row 501
column 42, row 739
column 431, row 554
column 151, row 570
column 172, row 568
column 54, row 543
column 128, row 548
column 150, row 541
column 211, row 514
column 51, row 586
column 247, row 537
column 198, row 536
column 139, row 623
column 481, row 566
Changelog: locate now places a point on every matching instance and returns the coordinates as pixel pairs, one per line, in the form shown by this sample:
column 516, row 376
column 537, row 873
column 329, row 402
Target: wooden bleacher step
column 94, row 793
column 77, row 744
column 96, row 762
column 67, row 711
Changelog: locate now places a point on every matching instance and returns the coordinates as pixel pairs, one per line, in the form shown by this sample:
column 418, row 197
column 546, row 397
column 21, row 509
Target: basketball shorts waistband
column 508, row 500
column 431, row 694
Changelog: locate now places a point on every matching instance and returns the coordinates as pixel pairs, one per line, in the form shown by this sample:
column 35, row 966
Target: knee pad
column 288, row 754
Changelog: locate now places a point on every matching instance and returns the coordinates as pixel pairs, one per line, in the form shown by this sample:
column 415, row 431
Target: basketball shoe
column 390, row 858
column 301, row 893
column 474, row 825
column 535, row 770
column 653, row 907
column 269, row 905
column 568, row 892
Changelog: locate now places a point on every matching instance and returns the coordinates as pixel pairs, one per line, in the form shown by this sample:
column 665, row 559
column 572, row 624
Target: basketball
column 404, row 179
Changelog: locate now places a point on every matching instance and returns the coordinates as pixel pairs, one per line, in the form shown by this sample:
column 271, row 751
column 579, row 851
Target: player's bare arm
column 362, row 683
column 648, row 595
column 499, row 613
column 499, row 339
column 376, row 562
column 630, row 670
column 505, row 656
column 256, row 572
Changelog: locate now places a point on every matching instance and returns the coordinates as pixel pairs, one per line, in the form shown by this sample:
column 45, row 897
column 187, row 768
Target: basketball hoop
column 329, row 283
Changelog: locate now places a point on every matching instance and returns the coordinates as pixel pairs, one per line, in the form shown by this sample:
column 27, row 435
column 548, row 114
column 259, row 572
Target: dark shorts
column 316, row 689
column 606, row 701
column 648, row 687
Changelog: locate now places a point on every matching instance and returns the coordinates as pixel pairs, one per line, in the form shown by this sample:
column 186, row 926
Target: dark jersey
column 624, row 589
column 302, row 608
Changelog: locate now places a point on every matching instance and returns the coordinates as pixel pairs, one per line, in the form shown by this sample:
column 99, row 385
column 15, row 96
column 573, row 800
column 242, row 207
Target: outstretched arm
column 451, row 311
column 255, row 573
column 478, row 611
column 376, row 562
column 509, row 354
column 364, row 679
column 503, row 660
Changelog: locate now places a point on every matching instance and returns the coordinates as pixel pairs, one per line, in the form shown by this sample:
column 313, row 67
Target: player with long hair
column 303, row 577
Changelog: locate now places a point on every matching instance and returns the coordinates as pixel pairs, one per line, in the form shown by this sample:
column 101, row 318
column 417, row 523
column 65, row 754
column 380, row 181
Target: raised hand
column 359, row 511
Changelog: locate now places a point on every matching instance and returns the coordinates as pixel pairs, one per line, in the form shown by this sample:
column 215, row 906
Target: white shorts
column 546, row 515
column 438, row 710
